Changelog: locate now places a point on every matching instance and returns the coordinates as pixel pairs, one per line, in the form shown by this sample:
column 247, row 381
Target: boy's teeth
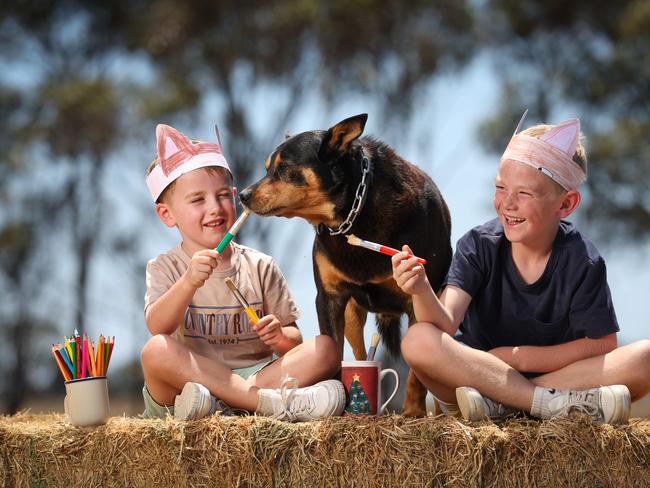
column 514, row 220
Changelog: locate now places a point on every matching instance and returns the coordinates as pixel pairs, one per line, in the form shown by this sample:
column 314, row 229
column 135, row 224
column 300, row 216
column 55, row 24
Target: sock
column 541, row 398
column 265, row 402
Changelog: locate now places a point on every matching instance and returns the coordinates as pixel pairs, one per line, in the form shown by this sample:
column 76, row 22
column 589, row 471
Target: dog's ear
column 339, row 137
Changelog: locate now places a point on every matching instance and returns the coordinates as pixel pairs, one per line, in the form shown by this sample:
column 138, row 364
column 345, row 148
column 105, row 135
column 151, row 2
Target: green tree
column 357, row 399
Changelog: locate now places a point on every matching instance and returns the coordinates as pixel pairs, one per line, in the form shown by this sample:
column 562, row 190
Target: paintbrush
column 233, row 230
column 240, row 298
column 374, row 341
column 389, row 251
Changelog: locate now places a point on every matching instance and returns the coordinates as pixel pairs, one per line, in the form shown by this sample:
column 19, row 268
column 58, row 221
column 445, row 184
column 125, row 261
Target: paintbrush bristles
column 230, row 284
column 235, row 291
column 353, row 240
column 374, row 341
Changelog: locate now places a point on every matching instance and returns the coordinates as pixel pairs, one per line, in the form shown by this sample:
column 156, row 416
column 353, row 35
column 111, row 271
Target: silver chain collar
column 359, row 199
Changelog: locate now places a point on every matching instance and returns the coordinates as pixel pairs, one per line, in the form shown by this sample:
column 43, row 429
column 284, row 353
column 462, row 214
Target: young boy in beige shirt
column 206, row 354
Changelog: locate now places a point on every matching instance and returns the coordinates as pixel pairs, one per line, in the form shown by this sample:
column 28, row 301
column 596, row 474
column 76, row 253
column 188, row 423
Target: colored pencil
column 107, row 349
column 63, row 351
column 73, row 358
column 66, row 343
column 66, row 367
column 373, row 246
column 110, row 352
column 59, row 361
column 232, row 232
column 100, row 356
column 91, row 356
column 68, row 346
column 242, row 301
column 84, row 356
column 77, row 341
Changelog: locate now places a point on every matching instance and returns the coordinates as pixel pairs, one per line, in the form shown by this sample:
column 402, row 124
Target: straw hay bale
column 43, row 450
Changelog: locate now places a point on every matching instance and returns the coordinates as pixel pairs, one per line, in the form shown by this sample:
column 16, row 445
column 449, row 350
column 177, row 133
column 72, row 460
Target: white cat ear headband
column 551, row 153
column 178, row 155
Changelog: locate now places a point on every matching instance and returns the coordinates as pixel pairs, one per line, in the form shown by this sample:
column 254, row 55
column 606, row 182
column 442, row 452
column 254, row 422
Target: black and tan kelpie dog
column 343, row 184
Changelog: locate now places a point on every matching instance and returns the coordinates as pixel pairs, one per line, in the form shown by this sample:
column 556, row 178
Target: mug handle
column 384, row 372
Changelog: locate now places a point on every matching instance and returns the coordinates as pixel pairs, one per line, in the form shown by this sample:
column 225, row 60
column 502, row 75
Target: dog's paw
column 414, row 411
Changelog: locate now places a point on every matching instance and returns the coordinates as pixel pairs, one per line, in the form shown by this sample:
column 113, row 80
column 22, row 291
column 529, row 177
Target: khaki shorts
column 153, row 409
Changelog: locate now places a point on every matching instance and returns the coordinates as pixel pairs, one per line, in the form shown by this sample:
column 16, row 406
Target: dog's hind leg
column 355, row 319
column 415, row 399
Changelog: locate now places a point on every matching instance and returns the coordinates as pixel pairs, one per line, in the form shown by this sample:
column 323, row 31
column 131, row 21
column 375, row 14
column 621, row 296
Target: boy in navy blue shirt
column 526, row 319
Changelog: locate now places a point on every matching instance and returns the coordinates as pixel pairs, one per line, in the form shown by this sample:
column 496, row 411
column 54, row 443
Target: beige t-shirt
column 215, row 324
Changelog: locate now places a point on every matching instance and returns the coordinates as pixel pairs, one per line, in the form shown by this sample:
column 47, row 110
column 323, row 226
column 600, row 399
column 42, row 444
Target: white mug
column 86, row 401
column 362, row 382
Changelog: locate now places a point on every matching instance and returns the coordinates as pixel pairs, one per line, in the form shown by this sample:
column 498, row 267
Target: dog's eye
column 296, row 177
column 290, row 175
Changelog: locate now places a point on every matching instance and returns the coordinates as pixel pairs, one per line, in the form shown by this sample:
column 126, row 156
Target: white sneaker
column 608, row 404
column 196, row 402
column 324, row 399
column 474, row 406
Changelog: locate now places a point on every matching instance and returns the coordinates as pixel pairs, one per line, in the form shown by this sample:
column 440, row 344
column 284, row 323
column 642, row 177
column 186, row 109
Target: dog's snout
column 245, row 196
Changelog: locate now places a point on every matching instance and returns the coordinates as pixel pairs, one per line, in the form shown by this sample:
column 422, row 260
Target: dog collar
column 359, row 200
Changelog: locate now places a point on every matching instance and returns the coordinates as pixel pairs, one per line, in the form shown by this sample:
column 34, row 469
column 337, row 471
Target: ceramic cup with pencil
column 83, row 367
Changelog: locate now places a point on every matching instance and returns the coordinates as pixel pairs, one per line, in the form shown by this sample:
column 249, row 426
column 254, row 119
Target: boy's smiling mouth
column 511, row 220
column 215, row 223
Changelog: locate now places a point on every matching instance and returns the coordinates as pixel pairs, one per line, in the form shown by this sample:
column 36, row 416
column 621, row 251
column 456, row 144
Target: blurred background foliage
column 82, row 84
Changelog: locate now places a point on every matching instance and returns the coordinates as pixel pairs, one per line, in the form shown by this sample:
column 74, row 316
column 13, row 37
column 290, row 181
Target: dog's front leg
column 331, row 298
column 355, row 319
column 331, row 313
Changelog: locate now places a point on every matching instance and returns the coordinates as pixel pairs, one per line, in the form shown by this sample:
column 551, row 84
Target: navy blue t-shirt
column 571, row 300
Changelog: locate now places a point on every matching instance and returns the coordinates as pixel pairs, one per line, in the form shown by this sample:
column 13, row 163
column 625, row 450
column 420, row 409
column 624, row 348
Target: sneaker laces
column 292, row 403
column 580, row 401
column 496, row 410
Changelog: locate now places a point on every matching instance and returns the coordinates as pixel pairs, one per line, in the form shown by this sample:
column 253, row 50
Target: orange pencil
column 91, row 354
column 100, row 355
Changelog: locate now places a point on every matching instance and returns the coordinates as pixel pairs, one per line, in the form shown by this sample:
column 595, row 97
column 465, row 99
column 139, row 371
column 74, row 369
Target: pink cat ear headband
column 178, row 155
column 551, row 153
